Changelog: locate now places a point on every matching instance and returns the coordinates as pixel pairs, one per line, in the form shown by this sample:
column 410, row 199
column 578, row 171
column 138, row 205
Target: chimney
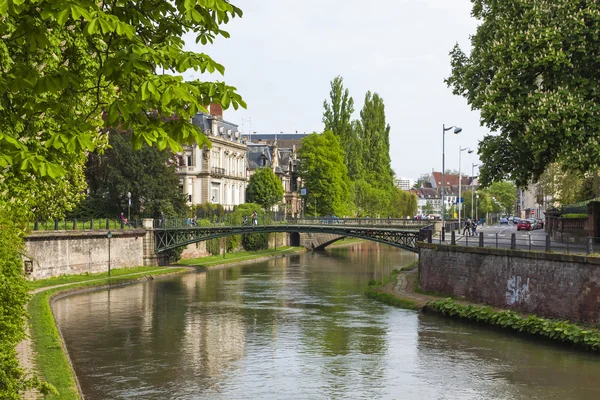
column 216, row 110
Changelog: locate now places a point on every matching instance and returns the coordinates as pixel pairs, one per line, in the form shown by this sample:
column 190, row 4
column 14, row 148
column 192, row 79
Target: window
column 189, row 161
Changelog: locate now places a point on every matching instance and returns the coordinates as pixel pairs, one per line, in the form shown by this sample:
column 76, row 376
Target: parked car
column 503, row 221
column 534, row 223
column 541, row 223
column 524, row 225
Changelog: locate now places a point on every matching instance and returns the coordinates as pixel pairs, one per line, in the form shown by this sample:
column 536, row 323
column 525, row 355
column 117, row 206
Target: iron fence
column 524, row 241
column 75, row 224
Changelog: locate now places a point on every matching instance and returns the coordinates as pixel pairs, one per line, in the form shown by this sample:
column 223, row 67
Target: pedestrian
column 245, row 220
column 467, row 228
column 161, row 221
column 194, row 222
column 123, row 219
column 474, row 227
column 254, row 218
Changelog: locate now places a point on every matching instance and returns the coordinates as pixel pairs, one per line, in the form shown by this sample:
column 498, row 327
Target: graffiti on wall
column 517, row 290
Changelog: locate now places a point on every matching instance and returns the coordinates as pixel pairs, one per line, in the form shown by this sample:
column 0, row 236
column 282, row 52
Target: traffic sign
column 532, row 212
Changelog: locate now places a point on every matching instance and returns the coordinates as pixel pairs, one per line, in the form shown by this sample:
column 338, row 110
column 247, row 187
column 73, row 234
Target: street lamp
column 461, row 149
column 457, row 130
column 472, row 186
column 476, row 209
column 129, row 206
column 109, row 235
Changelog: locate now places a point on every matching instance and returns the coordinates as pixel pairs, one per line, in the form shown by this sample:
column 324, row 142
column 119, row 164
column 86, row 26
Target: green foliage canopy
column 73, row 69
column 337, row 116
column 325, row 175
column 264, row 188
column 13, row 296
column 532, row 73
column 148, row 173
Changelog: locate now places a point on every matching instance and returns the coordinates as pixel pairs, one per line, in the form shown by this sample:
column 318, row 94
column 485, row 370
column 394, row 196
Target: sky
column 283, row 54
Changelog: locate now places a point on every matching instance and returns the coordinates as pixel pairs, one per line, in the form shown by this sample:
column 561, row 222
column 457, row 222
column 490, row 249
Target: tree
column 504, row 193
column 337, row 118
column 533, row 75
column 324, row 173
column 374, row 133
column 148, row 174
column 73, row 69
column 264, row 188
column 428, row 208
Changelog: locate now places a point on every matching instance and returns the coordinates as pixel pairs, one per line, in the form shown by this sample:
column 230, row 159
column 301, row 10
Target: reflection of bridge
column 170, row 234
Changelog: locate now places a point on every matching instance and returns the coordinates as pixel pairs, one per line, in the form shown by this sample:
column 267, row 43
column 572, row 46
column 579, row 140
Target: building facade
column 217, row 175
column 404, row 183
column 284, row 163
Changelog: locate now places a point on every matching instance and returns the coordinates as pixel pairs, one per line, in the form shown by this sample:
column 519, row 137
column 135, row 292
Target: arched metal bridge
column 398, row 233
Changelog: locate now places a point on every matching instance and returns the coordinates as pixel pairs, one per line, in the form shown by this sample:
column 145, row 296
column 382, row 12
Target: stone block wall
column 55, row 253
column 552, row 285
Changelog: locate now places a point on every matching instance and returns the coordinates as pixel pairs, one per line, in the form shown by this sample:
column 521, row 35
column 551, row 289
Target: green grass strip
column 52, row 363
column 237, row 257
column 60, row 280
column 390, row 299
column 372, row 291
column 564, row 331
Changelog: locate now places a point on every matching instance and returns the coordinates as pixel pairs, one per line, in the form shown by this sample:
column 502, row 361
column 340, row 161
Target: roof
column 449, row 179
column 275, row 136
column 204, row 121
column 256, row 152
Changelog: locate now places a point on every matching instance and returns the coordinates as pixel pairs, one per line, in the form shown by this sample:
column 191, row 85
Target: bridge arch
column 171, row 238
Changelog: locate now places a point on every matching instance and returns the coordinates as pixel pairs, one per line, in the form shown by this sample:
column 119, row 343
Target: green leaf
column 62, row 16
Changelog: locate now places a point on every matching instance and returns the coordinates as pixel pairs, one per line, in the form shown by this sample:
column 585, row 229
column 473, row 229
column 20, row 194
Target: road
column 500, row 236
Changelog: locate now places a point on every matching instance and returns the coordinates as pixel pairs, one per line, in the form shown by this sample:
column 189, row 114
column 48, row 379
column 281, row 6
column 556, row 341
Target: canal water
column 299, row 328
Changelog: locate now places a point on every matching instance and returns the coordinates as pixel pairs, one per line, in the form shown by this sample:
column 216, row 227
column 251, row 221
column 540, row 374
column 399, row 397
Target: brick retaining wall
column 551, row 285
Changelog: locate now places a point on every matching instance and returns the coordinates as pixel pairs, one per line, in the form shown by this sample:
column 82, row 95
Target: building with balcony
column 216, row 175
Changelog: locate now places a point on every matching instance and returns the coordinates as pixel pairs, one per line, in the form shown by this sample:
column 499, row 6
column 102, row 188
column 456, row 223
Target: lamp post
column 128, row 206
column 472, row 186
column 109, row 235
column 460, row 150
column 457, row 130
column 476, row 209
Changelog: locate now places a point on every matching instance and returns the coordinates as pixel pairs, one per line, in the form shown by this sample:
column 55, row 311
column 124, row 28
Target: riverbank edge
column 51, row 358
column 405, row 294
column 233, row 262
column 44, row 298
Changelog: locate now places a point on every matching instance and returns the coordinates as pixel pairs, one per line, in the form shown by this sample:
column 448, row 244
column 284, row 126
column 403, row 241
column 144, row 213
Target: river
column 299, row 327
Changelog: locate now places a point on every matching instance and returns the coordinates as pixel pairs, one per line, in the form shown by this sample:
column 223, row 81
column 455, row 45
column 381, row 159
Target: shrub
column 552, row 329
column 255, row 241
column 13, row 297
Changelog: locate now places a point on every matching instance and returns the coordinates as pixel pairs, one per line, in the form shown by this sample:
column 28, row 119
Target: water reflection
column 298, row 327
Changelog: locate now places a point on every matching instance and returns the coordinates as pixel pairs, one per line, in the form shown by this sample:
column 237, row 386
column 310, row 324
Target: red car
column 524, row 225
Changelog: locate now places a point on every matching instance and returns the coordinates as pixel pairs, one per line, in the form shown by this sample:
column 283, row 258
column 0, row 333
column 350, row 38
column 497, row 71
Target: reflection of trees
column 191, row 330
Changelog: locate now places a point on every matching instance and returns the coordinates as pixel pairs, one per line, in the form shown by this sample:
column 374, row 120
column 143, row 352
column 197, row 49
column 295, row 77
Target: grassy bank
column 61, row 280
column 377, row 290
column 52, row 362
column 229, row 258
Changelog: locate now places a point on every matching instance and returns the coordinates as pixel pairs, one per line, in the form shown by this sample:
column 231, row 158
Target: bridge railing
column 379, row 222
column 175, row 223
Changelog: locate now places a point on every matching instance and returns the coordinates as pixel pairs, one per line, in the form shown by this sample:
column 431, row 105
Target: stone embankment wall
column 552, row 285
column 55, row 253
column 313, row 241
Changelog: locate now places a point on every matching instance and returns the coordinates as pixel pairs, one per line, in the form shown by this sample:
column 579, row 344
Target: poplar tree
column 374, row 133
column 337, row 116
